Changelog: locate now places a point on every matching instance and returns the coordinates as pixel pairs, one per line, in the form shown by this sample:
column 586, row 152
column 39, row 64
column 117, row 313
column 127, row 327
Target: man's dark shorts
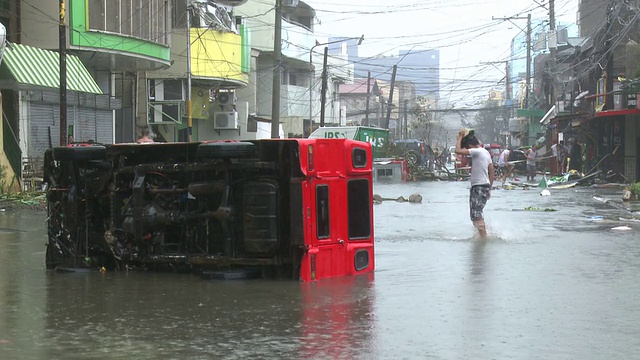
column 477, row 200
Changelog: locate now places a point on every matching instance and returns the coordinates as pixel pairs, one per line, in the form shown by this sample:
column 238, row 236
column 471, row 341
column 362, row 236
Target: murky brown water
column 545, row 285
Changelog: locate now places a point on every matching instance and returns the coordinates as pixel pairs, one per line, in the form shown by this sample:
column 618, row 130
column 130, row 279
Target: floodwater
column 545, row 285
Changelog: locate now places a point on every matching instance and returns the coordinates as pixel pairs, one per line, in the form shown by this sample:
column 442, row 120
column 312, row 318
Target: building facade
column 295, row 72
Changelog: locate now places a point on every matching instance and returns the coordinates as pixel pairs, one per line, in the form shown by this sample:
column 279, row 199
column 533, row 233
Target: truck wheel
column 226, row 150
column 96, row 152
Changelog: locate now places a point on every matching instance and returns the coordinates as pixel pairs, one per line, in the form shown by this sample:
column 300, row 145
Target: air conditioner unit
column 225, row 120
column 227, row 98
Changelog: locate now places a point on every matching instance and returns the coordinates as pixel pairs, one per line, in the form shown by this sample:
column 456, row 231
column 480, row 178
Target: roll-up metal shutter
column 44, row 132
column 85, row 125
column 104, row 126
column 94, row 124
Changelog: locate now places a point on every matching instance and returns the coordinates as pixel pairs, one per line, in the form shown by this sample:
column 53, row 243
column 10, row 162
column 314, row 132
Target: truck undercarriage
column 177, row 207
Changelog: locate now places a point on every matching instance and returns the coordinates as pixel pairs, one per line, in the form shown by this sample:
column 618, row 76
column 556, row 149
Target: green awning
column 41, row 68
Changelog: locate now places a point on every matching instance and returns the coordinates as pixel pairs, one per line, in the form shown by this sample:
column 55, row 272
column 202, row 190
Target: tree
column 422, row 124
column 490, row 121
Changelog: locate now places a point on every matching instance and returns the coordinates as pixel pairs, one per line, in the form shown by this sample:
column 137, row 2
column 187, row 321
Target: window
column 359, row 158
column 322, row 211
column 145, row 19
column 359, row 209
column 385, row 172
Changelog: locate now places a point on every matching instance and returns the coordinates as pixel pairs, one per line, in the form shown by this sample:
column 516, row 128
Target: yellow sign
column 495, row 95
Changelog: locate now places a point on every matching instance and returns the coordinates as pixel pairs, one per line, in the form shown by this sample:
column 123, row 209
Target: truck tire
column 94, row 152
column 226, row 150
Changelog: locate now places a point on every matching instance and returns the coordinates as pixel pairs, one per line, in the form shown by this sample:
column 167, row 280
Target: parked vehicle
column 452, row 154
column 377, row 137
column 417, row 152
column 463, row 164
column 286, row 208
column 495, row 150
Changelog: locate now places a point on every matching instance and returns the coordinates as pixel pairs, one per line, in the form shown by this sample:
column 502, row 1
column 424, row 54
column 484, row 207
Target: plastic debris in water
column 621, row 228
column 532, row 208
column 545, row 192
column 596, row 218
column 543, row 182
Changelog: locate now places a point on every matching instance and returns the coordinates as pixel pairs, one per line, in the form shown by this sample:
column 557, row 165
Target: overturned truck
column 289, row 208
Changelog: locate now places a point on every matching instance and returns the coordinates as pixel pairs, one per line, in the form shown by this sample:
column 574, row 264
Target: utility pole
column 553, row 43
column 277, row 55
column 405, row 128
column 63, row 74
column 323, row 90
column 390, row 104
column 528, row 79
column 507, row 81
column 189, row 106
column 608, row 100
column 366, row 114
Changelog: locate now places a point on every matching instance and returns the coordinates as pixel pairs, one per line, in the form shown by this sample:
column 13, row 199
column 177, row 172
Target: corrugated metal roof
column 40, row 67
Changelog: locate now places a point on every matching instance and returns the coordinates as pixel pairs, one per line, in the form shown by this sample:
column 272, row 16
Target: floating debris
column 413, row 198
column 621, row 228
column 532, row 208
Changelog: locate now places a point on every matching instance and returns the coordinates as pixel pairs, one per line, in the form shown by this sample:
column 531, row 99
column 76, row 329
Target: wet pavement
column 545, row 285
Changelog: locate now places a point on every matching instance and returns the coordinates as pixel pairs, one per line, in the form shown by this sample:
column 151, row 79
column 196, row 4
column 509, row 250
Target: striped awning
column 41, row 68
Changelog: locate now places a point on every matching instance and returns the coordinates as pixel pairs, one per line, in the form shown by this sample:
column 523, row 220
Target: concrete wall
column 39, row 24
column 260, row 18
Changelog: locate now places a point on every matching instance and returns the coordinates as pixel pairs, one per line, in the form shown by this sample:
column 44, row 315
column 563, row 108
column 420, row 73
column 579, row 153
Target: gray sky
column 463, row 31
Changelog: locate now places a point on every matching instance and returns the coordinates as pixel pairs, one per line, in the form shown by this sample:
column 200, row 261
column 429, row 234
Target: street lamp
column 312, row 73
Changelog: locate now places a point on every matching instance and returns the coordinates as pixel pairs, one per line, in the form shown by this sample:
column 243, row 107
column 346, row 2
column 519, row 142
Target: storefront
column 30, row 82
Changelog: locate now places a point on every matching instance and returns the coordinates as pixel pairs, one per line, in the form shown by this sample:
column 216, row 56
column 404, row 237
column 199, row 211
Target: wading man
column 482, row 176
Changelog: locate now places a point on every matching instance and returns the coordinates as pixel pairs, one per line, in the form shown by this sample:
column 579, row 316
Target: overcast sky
column 463, row 31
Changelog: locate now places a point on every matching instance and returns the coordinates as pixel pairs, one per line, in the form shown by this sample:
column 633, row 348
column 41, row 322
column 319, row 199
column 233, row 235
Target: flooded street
column 546, row 284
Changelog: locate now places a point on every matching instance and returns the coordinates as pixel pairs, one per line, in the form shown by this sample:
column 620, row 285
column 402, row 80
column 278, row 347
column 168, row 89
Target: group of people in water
column 565, row 159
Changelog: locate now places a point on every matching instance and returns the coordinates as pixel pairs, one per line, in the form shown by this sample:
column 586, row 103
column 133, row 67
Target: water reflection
column 151, row 316
column 477, row 263
column 337, row 318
